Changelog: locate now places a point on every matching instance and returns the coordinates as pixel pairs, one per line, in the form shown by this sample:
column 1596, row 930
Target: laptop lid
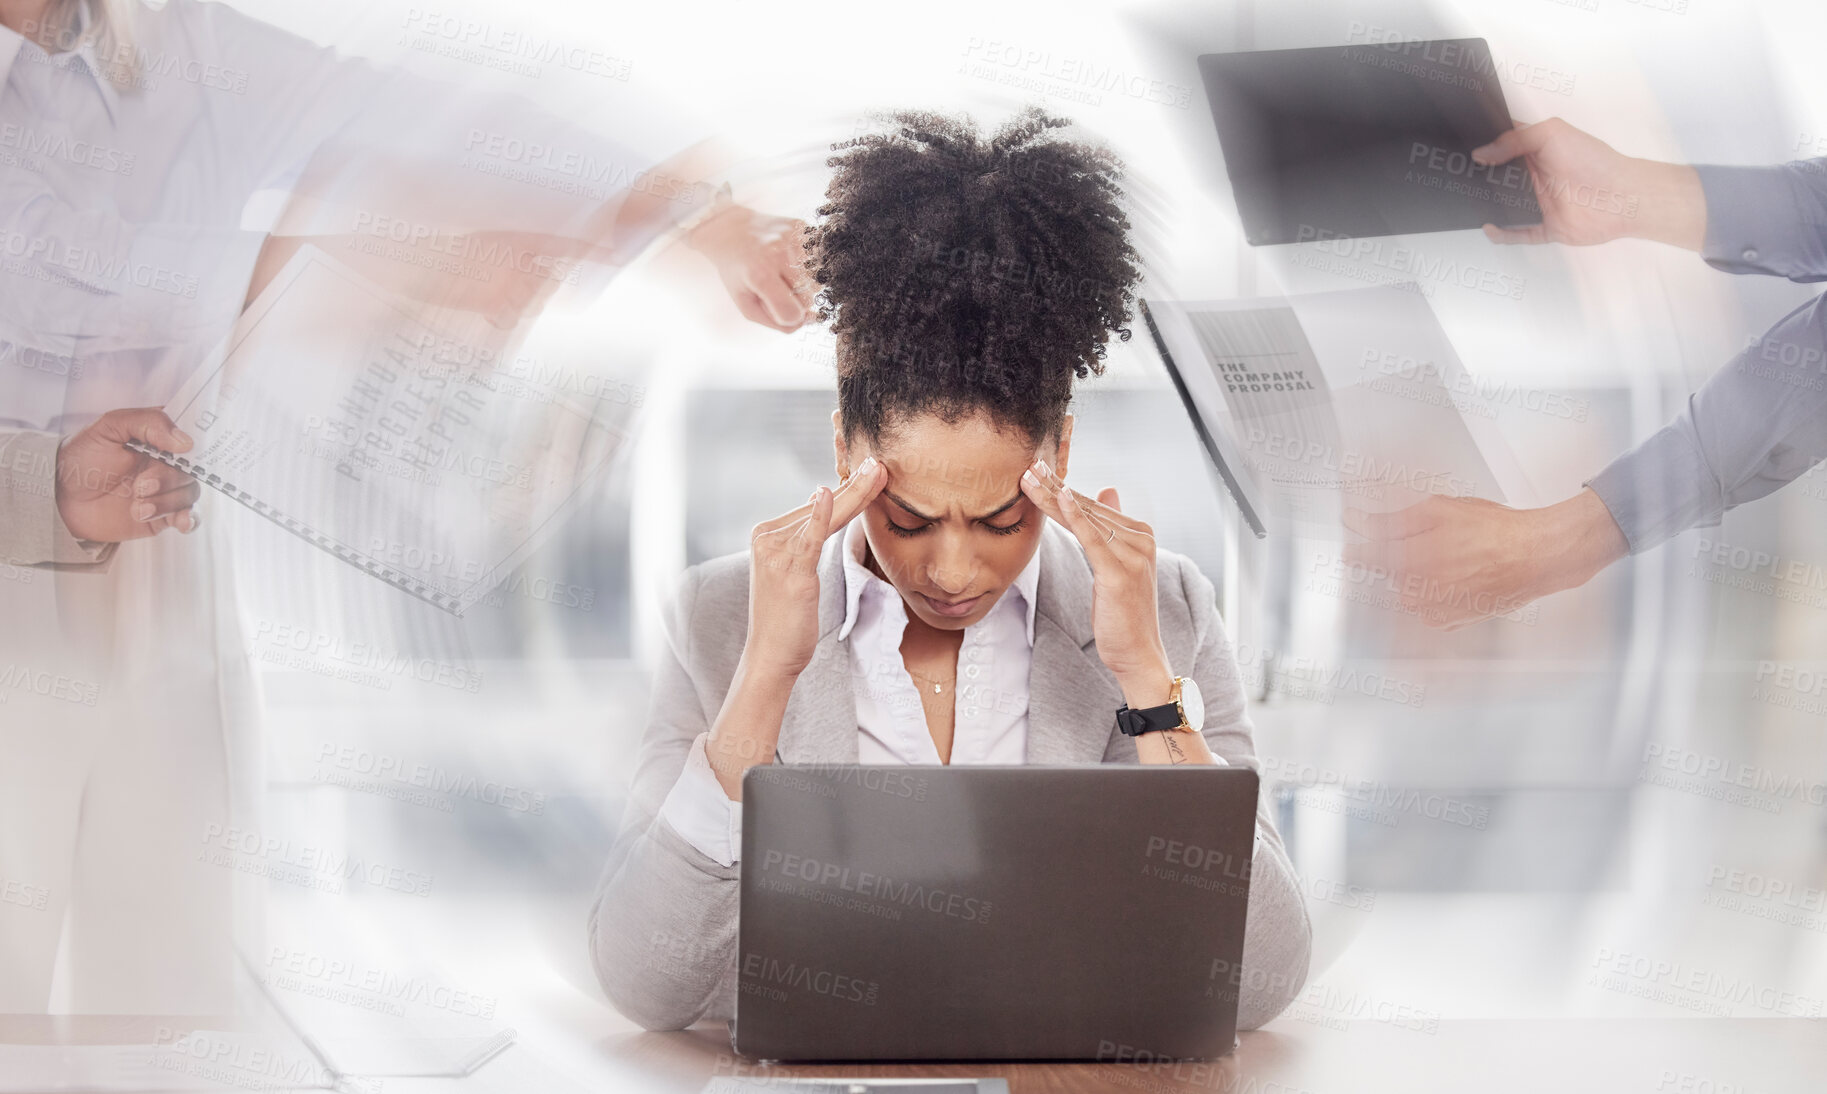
column 967, row 913
column 1364, row 140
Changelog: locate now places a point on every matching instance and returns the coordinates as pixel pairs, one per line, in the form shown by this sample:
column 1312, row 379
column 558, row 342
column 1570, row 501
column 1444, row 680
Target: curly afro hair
column 962, row 274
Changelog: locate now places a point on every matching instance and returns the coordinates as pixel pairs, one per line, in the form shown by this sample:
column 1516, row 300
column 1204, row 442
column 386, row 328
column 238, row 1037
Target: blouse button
column 972, row 671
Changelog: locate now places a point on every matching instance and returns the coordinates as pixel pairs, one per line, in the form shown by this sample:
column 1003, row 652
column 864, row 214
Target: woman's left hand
column 1121, row 550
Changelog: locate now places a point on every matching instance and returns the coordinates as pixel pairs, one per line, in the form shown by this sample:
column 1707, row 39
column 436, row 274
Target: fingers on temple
column 810, row 533
column 1095, row 536
column 1095, row 526
column 806, row 527
column 857, row 491
column 1101, row 512
column 1043, row 488
column 1044, row 497
column 789, row 519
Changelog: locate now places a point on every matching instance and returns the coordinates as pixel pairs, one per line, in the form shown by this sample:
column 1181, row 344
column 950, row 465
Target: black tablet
column 1364, row 140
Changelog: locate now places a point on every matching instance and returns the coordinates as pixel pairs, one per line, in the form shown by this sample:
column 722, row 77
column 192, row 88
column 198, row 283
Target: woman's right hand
column 783, row 623
column 783, row 572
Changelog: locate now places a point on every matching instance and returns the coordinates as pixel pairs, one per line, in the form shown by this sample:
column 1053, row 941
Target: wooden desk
column 1510, row 1056
column 1518, row 1056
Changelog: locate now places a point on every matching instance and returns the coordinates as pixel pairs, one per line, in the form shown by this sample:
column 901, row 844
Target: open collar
column 1068, row 686
column 13, row 45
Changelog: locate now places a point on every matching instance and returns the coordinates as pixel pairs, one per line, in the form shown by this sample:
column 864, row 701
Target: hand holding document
column 108, row 493
column 1314, row 404
column 401, row 438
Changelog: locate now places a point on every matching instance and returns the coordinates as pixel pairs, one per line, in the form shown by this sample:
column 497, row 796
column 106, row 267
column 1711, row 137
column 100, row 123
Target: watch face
column 1192, row 704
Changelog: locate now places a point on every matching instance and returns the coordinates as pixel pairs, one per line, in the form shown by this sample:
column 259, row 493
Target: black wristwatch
column 1184, row 711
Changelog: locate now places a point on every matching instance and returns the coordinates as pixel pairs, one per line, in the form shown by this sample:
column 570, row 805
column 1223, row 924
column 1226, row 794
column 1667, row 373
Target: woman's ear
column 839, row 447
column 1062, row 460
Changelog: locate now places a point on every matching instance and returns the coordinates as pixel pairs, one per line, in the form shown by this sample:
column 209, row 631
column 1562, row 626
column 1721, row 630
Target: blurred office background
column 1485, row 819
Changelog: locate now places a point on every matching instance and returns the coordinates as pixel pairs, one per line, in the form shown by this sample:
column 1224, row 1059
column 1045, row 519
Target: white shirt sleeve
column 700, row 812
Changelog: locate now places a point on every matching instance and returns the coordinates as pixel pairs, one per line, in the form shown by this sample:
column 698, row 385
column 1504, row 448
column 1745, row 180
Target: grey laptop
column 992, row 913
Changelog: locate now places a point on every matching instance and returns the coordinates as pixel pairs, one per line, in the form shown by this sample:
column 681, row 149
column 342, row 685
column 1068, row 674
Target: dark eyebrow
column 911, row 511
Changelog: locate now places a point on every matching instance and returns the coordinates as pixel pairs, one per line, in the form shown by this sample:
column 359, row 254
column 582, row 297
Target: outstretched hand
column 761, row 260
column 1458, row 561
column 1591, row 193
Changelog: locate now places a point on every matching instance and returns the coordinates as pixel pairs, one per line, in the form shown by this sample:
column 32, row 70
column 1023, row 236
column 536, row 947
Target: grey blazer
column 663, row 930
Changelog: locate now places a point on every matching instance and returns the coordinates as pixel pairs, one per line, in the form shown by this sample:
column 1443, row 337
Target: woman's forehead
column 934, row 466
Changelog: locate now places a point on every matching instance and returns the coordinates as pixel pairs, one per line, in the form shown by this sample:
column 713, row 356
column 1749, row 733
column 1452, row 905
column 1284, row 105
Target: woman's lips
column 952, row 608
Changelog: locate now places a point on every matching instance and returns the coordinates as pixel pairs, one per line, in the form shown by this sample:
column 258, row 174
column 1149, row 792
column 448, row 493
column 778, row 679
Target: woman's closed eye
column 902, row 530
column 998, row 529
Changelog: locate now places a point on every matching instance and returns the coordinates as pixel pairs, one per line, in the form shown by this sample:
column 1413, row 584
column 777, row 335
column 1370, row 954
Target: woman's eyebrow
column 1003, row 508
column 912, row 512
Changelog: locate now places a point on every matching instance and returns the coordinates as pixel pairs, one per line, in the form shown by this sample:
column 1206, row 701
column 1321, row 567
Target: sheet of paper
column 400, row 438
column 1344, row 399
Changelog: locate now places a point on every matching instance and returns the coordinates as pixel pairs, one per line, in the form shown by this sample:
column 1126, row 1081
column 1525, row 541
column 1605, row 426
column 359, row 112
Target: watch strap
column 1134, row 722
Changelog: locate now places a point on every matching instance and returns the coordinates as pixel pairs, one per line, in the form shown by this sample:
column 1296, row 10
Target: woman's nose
column 951, row 567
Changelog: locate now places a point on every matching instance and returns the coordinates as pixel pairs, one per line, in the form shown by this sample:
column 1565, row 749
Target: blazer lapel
column 1072, row 698
column 820, row 722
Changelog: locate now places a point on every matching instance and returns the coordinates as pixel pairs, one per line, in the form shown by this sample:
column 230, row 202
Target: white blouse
column 990, row 699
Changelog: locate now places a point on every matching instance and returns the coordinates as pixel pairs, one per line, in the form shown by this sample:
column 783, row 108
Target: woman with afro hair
column 952, row 600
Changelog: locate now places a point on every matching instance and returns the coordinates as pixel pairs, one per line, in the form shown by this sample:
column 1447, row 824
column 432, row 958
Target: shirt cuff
column 1660, row 488
column 1764, row 220
column 35, row 533
column 700, row 812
